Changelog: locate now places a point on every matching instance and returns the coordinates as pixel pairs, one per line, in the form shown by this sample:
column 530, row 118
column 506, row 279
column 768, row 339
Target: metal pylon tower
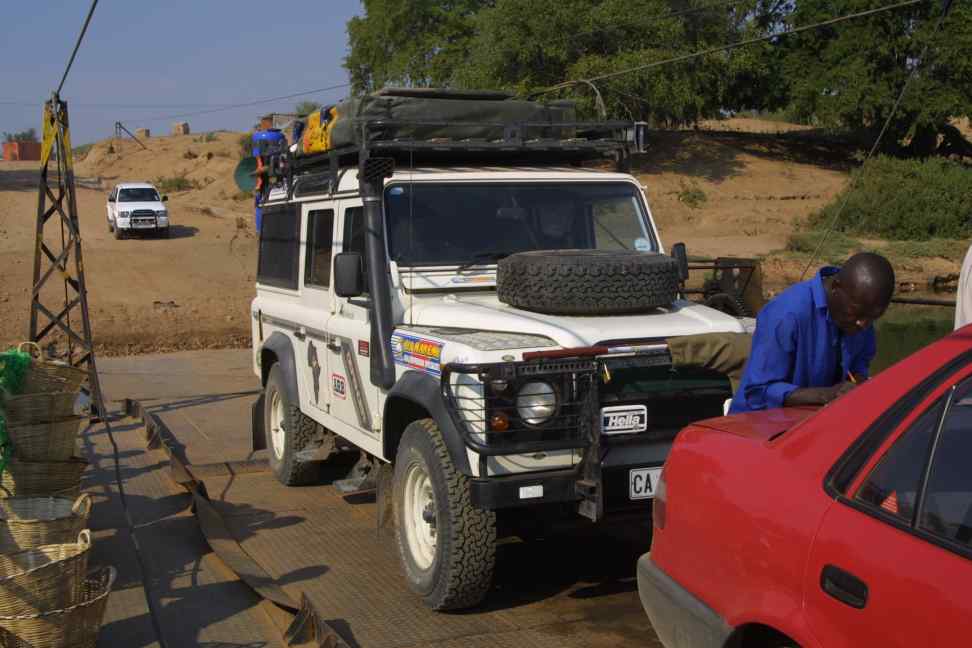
column 59, row 321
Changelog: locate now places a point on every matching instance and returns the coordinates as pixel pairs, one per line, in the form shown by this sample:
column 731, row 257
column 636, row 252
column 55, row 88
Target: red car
column 850, row 525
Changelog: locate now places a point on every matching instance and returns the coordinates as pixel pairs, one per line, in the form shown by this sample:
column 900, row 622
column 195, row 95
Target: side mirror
column 681, row 257
column 348, row 275
column 110, row 199
column 165, row 199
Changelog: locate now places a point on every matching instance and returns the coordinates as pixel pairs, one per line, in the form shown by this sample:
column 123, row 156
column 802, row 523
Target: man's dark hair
column 869, row 276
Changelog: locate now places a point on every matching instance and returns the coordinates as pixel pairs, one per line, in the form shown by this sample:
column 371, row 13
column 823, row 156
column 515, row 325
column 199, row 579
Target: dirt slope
column 722, row 191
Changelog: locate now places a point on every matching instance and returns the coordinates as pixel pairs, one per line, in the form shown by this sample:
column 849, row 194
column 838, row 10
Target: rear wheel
column 288, row 431
column 447, row 547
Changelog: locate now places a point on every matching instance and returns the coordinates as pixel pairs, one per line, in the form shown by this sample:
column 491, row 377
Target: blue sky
column 152, row 59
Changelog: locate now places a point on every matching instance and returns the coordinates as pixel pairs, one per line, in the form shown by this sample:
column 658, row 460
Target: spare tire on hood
column 587, row 282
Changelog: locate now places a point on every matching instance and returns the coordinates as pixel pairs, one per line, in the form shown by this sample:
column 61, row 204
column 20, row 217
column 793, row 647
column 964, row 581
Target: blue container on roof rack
column 267, row 140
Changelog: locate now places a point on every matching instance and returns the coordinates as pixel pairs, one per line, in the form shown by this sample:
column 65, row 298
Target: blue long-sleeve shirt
column 797, row 345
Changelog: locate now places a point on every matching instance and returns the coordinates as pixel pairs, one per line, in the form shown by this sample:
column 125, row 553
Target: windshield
column 455, row 224
column 139, row 194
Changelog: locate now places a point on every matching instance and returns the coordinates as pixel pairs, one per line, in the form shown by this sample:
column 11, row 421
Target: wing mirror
column 165, row 199
column 110, row 199
column 348, row 275
column 681, row 257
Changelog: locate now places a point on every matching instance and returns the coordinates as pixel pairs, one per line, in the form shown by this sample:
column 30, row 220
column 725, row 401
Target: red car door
column 891, row 564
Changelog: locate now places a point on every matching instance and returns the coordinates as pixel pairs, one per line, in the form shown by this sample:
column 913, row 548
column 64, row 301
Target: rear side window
column 320, row 242
column 894, row 484
column 946, row 510
column 279, row 247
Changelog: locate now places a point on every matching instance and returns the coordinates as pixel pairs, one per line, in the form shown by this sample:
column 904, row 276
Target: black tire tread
column 472, row 537
column 301, row 473
column 587, row 282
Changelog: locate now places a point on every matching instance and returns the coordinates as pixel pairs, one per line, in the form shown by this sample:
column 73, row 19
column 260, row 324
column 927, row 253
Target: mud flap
column 385, row 479
column 256, row 424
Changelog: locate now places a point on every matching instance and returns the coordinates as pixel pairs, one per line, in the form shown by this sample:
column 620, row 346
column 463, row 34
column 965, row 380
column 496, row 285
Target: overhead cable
column 77, row 45
column 727, row 47
column 245, row 104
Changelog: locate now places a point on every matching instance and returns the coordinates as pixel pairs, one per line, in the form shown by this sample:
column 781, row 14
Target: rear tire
column 288, row 431
column 447, row 547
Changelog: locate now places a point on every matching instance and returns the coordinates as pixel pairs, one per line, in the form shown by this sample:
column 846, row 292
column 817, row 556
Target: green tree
column 409, row 42
column 849, row 75
column 304, row 108
column 528, row 44
column 29, row 135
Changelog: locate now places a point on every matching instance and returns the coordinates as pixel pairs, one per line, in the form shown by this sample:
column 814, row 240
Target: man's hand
column 817, row 395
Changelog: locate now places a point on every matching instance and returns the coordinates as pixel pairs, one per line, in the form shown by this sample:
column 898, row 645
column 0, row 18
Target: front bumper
column 609, row 483
column 129, row 225
column 678, row 617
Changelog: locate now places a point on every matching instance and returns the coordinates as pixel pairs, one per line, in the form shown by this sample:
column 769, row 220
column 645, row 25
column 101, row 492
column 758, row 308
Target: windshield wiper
column 484, row 257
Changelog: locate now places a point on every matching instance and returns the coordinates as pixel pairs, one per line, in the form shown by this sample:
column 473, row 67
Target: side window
column 894, row 484
column 354, row 234
column 320, row 241
column 946, row 510
column 279, row 261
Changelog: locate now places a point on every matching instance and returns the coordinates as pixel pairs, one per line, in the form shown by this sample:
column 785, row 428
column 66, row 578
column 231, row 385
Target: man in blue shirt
column 815, row 340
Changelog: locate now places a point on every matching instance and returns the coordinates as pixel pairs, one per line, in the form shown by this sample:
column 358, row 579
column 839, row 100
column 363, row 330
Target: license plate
column 624, row 419
column 642, row 482
column 145, row 224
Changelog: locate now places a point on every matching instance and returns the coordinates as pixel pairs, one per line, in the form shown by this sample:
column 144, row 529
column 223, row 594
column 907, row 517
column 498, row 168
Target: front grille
column 143, row 212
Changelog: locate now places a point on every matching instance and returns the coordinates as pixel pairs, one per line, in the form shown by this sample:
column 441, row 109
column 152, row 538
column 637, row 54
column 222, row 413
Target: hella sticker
column 624, row 419
column 339, row 386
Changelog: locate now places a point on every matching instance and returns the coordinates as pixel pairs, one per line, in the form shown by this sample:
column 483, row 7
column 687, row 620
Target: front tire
column 447, row 547
column 288, row 431
column 119, row 234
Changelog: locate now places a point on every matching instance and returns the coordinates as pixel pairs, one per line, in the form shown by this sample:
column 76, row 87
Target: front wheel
column 119, row 234
column 447, row 547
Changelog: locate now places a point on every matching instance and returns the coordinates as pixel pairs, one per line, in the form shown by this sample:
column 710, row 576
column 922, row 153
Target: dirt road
column 190, row 291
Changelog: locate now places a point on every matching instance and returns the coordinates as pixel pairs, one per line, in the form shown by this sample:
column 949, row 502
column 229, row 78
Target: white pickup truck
column 137, row 207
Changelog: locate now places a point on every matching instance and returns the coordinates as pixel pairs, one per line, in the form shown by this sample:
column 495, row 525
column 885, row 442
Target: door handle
column 844, row 586
column 334, row 343
column 300, row 335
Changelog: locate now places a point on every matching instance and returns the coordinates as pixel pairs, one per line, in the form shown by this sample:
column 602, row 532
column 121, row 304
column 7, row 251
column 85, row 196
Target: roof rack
column 521, row 142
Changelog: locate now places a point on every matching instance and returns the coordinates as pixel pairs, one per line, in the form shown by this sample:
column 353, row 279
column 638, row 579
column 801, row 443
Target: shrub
column 692, row 196
column 205, row 138
column 175, row 183
column 190, row 155
column 905, row 200
column 246, row 145
column 836, row 248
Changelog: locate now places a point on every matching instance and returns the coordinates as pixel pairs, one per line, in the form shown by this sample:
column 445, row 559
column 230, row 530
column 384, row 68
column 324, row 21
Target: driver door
column 354, row 399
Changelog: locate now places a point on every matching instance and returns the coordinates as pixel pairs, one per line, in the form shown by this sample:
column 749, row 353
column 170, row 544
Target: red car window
column 947, row 507
column 893, row 485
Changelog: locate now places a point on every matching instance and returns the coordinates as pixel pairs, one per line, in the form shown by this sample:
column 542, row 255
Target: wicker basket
column 42, row 478
column 76, row 626
column 28, row 522
column 50, row 441
column 49, row 577
column 46, row 377
column 37, row 408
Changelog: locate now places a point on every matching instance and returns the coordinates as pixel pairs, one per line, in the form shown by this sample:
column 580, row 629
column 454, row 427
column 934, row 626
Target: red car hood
column 760, row 425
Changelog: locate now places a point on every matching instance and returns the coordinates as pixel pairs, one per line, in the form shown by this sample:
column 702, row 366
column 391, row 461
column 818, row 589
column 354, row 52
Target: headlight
column 163, row 213
column 124, row 214
column 536, row 403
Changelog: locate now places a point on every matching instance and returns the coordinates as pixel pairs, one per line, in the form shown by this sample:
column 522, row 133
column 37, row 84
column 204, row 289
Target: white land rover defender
column 485, row 320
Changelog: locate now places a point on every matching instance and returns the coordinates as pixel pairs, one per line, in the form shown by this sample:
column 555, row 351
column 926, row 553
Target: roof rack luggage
column 429, row 125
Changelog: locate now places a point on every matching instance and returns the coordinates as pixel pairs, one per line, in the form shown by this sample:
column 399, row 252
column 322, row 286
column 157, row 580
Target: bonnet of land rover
column 496, row 331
